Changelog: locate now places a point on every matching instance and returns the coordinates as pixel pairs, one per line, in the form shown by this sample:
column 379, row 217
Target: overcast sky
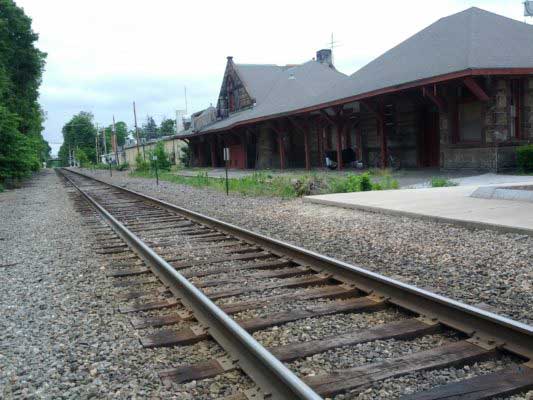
column 104, row 54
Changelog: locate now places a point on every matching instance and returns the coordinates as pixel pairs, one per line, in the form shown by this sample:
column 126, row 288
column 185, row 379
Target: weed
column 442, row 182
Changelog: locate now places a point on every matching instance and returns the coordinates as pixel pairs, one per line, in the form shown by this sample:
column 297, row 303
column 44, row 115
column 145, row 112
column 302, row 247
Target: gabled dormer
column 233, row 96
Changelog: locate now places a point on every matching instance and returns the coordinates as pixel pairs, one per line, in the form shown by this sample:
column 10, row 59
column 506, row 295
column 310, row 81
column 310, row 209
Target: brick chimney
column 324, row 57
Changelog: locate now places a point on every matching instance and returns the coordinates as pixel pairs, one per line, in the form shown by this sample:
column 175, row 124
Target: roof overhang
column 379, row 92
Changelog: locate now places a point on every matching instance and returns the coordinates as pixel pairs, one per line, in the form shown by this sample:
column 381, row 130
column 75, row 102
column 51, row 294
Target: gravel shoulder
column 479, row 267
column 60, row 333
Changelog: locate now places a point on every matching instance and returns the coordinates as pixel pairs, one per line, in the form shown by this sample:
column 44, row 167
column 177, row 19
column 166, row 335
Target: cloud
column 102, row 54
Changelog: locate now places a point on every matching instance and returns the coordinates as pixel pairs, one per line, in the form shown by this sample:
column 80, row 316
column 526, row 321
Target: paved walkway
column 449, row 204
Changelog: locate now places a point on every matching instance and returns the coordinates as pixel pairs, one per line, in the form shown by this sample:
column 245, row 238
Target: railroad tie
column 405, row 329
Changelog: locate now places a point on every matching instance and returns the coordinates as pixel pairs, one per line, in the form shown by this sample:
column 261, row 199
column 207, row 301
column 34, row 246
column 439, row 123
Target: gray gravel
column 60, row 333
column 450, row 260
column 476, row 267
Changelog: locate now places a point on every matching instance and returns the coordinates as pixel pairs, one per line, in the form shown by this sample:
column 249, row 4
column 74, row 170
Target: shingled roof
column 288, row 89
column 259, row 78
column 473, row 39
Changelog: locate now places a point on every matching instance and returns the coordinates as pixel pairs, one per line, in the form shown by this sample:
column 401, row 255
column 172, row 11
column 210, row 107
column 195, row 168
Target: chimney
column 324, row 57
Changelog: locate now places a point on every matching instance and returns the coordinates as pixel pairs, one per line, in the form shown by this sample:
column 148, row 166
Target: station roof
column 457, row 45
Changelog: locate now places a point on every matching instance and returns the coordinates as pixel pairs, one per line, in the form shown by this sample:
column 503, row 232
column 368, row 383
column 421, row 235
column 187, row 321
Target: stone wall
column 498, row 142
column 479, row 158
column 267, row 154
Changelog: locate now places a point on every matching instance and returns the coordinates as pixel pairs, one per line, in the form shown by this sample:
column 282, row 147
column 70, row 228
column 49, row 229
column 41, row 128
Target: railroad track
column 223, row 283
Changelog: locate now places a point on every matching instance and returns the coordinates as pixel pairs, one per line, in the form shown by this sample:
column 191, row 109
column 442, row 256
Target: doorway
column 429, row 143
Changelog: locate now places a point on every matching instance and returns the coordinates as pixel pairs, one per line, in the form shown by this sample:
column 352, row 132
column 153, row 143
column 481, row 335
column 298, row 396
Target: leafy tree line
column 79, row 136
column 150, row 130
column 22, row 147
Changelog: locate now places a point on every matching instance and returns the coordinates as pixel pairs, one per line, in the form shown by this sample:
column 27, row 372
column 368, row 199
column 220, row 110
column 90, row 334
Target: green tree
column 79, row 134
column 150, row 129
column 121, row 130
column 168, row 127
column 22, row 147
column 162, row 161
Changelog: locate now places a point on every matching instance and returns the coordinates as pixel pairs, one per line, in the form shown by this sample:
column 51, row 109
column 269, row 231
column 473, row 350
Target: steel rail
column 261, row 366
column 508, row 334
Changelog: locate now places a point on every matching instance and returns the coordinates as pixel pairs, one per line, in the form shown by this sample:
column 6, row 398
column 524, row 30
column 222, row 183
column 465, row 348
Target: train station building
column 456, row 95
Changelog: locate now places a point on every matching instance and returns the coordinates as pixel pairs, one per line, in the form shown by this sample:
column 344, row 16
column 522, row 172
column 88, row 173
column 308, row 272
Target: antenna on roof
column 332, row 44
column 185, row 90
column 528, row 9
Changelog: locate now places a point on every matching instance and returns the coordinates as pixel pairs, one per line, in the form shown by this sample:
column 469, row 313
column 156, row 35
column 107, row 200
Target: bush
column 123, row 166
column 141, row 165
column 365, row 184
column 163, row 162
column 524, row 158
column 82, row 158
column 351, row 183
column 185, row 156
column 442, row 182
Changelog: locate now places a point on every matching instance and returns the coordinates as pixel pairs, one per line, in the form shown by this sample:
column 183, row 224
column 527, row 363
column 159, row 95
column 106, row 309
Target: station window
column 470, row 121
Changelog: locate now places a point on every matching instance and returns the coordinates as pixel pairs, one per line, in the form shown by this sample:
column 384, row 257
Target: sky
column 105, row 54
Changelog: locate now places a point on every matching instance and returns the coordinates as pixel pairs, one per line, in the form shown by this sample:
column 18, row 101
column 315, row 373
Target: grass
column 442, row 182
column 284, row 186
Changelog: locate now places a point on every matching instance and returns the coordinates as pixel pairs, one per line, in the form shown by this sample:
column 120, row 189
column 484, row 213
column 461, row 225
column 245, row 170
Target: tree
column 121, row 130
column 79, row 134
column 22, row 147
column 150, row 129
column 163, row 162
column 168, row 127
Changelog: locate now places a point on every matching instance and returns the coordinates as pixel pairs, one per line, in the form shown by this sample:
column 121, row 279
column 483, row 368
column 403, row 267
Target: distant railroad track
column 201, row 260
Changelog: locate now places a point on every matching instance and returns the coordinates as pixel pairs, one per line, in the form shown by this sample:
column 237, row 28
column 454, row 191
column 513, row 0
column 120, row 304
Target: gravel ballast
column 60, row 333
column 480, row 267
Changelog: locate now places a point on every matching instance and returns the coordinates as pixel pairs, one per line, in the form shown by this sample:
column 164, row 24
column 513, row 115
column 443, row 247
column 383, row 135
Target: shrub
column 123, row 166
column 141, row 165
column 388, row 183
column 185, row 156
column 365, row 184
column 82, row 158
column 442, row 182
column 524, row 158
column 163, row 162
column 1, row 188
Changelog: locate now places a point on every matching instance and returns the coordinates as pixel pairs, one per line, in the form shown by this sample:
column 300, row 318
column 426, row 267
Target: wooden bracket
column 373, row 110
column 438, row 101
column 476, row 90
column 330, row 120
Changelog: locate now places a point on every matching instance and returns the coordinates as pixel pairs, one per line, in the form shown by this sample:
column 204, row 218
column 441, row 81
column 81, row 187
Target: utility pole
column 96, row 145
column 105, row 142
column 114, row 141
column 137, row 131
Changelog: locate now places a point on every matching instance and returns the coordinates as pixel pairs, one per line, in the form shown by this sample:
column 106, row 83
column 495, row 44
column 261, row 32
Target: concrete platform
column 448, row 204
